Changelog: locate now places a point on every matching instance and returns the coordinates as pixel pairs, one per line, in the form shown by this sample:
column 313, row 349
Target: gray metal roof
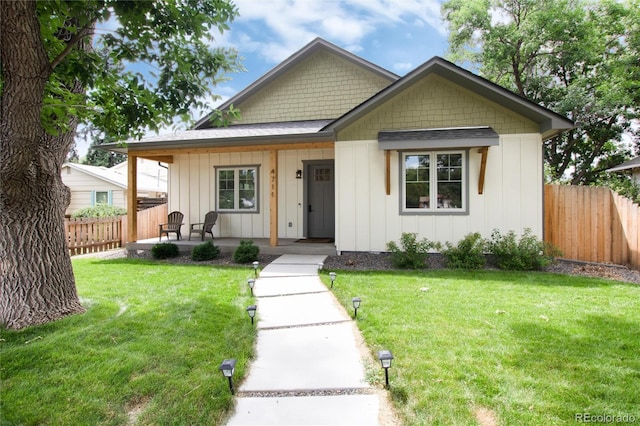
column 236, row 135
column 627, row 165
column 453, row 137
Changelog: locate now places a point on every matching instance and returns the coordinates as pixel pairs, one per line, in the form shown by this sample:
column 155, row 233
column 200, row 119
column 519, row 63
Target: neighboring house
column 632, row 167
column 332, row 146
column 92, row 185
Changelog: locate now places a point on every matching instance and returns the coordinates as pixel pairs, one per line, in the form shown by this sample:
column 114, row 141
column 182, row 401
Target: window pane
column 102, row 198
column 449, row 181
column 417, row 181
column 247, row 190
column 226, row 181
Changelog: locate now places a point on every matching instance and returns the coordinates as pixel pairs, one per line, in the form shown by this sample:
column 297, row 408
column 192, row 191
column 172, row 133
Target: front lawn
column 511, row 348
column 147, row 350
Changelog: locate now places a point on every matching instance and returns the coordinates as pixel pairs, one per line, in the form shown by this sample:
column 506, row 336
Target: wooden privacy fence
column 94, row 234
column 148, row 221
column 91, row 235
column 592, row 224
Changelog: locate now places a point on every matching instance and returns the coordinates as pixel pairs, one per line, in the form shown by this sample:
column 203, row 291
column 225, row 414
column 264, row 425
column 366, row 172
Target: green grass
column 533, row 348
column 150, row 343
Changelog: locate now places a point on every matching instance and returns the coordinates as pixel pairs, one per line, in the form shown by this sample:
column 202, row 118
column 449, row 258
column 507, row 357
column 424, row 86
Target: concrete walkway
column 308, row 369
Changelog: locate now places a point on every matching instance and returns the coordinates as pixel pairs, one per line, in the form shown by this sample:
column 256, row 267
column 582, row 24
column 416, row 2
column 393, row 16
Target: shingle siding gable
column 323, row 86
column 435, row 102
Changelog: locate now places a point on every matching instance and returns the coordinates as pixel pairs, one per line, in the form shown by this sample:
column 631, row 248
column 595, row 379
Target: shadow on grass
column 87, row 369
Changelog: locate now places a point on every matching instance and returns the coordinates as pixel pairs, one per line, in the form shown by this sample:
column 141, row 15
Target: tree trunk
column 36, row 278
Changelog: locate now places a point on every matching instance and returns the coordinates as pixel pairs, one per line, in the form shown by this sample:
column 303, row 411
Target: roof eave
column 222, row 142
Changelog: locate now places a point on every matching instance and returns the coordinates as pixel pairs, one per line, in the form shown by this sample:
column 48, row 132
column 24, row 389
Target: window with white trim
column 434, row 182
column 237, row 189
column 101, row 198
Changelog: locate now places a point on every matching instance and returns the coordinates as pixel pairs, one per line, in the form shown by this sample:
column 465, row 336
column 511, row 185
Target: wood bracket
column 387, row 156
column 483, row 167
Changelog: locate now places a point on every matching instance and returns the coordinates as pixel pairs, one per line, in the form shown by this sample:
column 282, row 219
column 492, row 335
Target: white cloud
column 289, row 24
column 402, row 67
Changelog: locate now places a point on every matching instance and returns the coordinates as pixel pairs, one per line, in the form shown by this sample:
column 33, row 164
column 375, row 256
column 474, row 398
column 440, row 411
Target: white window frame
column 237, row 207
column 432, row 207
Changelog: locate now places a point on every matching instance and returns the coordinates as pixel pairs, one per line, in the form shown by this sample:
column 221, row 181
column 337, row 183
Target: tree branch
column 84, row 32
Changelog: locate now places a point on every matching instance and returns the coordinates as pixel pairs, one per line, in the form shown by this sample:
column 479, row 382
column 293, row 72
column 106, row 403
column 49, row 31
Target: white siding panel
column 512, row 198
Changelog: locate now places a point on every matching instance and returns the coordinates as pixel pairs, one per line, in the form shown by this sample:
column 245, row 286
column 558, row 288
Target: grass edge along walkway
column 494, row 346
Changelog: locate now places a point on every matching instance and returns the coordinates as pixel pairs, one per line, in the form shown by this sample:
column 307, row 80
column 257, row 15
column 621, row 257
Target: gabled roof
column 634, row 163
column 290, row 62
column 550, row 122
column 116, row 178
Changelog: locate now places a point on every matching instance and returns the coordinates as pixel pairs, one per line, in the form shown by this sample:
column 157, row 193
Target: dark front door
column 320, row 200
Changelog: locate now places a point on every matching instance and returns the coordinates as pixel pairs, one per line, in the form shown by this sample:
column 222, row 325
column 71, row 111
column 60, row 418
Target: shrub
column 412, row 254
column 164, row 250
column 468, row 254
column 527, row 254
column 99, row 211
column 246, row 252
column 206, row 251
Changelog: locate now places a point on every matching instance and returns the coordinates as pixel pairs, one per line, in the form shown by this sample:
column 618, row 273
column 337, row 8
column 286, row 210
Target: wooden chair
column 205, row 227
column 174, row 223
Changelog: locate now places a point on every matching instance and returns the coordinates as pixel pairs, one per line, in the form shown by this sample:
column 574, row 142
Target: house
column 93, row 185
column 332, row 146
column 632, row 166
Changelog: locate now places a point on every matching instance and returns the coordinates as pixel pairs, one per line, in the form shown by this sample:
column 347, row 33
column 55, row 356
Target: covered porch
column 228, row 245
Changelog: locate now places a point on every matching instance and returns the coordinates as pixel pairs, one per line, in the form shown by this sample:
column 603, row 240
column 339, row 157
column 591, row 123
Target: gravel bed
column 357, row 261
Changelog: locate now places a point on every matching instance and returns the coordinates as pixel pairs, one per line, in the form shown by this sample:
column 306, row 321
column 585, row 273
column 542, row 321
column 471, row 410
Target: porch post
column 132, row 198
column 273, row 198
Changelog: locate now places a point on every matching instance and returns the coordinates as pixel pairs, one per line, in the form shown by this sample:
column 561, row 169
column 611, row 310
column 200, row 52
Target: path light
column 356, row 304
column 385, row 358
column 256, row 264
column 228, row 367
column 251, row 310
column 251, row 283
column 332, row 275
column 320, row 266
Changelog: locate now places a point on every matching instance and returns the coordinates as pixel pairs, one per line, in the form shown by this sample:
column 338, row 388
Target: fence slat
column 592, row 224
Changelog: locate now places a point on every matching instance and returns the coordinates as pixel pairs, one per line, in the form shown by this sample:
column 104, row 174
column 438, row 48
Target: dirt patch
column 135, row 408
column 485, row 416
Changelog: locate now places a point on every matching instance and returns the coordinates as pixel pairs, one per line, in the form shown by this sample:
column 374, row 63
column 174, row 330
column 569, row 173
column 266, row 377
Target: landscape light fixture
column 228, row 367
column 356, row 304
column 251, row 283
column 251, row 310
column 385, row 358
column 256, row 264
column 320, row 266
column 332, row 275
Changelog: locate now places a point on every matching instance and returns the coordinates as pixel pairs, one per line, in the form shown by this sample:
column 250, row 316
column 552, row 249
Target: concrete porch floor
column 228, row 245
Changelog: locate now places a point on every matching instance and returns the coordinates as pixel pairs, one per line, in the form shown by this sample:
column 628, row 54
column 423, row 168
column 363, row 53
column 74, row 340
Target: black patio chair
column 174, row 223
column 205, row 227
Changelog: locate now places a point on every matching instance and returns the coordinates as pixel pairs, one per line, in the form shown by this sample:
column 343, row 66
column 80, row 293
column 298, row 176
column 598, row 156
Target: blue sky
column 398, row 35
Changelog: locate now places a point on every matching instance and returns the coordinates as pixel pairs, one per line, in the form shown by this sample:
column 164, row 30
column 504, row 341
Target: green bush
column 164, row 250
column 99, row 211
column 206, row 251
column 468, row 254
column 527, row 254
column 413, row 253
column 246, row 252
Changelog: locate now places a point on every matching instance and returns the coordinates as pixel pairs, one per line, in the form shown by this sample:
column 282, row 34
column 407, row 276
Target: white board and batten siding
column 192, row 190
column 367, row 218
